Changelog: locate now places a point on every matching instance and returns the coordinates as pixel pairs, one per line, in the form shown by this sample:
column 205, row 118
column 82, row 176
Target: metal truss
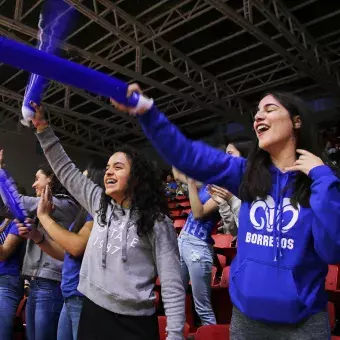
column 183, row 88
column 310, row 58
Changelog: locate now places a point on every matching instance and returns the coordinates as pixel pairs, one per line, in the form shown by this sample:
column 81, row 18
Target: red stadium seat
column 213, row 332
column 172, row 205
column 179, row 223
column 175, row 212
column 184, row 204
column 181, row 198
column 222, row 241
column 225, row 277
column 332, row 278
column 331, row 314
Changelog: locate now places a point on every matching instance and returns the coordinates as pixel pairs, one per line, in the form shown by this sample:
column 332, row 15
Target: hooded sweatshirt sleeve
column 229, row 225
column 79, row 186
column 194, row 158
column 325, row 204
column 166, row 256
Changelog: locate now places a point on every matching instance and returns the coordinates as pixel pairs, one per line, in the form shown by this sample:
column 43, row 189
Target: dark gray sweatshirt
column 119, row 268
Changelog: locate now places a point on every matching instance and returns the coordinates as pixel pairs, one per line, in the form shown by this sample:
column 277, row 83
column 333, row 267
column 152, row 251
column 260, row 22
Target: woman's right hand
column 28, row 230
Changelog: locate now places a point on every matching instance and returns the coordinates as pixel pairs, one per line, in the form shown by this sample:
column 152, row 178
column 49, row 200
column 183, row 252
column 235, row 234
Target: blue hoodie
column 283, row 253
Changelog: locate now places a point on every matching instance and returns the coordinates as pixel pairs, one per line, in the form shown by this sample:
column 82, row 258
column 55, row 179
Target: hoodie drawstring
column 124, row 237
column 278, row 219
column 106, row 237
column 125, row 226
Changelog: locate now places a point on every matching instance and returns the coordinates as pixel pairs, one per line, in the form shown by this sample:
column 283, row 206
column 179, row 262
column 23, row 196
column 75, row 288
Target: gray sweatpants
column 315, row 328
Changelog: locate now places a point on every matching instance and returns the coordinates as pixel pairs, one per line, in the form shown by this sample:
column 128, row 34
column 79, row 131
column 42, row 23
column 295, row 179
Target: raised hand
column 131, row 110
column 45, row 206
column 306, row 162
column 39, row 121
column 219, row 195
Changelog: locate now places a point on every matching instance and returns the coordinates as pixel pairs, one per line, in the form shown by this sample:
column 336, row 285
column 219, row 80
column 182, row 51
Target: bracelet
column 41, row 241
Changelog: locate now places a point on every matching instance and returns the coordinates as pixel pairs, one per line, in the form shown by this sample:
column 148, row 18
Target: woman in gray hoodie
column 131, row 243
column 45, row 299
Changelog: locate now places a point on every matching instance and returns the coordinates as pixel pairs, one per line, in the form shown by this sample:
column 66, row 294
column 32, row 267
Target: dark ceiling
column 204, row 62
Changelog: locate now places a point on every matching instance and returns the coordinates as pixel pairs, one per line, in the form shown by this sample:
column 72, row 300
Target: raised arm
column 198, row 209
column 79, row 186
column 166, row 256
column 194, row 158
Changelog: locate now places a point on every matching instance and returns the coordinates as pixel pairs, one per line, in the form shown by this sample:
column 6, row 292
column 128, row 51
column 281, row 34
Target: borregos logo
column 264, row 215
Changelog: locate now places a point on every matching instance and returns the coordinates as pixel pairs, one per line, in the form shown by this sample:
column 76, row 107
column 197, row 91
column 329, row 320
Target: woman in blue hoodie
column 289, row 219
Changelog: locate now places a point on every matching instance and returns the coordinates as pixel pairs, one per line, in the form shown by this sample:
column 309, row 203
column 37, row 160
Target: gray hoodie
column 36, row 262
column 119, row 268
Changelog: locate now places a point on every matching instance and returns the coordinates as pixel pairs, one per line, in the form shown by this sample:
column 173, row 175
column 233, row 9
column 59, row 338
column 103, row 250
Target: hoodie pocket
column 267, row 292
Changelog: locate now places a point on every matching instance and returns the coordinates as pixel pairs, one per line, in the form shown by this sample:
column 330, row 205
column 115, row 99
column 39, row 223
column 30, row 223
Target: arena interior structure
column 204, row 62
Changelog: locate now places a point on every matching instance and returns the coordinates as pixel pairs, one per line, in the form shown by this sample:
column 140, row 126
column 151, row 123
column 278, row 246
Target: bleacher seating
column 213, row 332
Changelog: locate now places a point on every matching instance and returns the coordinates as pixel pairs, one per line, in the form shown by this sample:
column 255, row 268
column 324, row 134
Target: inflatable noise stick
column 54, row 24
column 10, row 196
column 64, row 71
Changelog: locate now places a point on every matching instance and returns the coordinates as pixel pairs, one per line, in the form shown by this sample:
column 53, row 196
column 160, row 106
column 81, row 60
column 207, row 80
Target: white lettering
column 119, row 236
column 268, row 241
column 116, row 248
column 113, row 231
column 290, row 244
column 134, row 242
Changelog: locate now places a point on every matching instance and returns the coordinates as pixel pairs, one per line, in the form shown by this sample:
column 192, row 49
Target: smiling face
column 273, row 125
column 41, row 180
column 117, row 176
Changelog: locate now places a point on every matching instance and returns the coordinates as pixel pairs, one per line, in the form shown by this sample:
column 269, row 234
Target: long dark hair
column 55, row 185
column 95, row 172
column 257, row 181
column 242, row 145
column 145, row 190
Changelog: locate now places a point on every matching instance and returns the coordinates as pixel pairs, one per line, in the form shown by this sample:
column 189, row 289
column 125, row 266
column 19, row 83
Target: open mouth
column 110, row 181
column 261, row 128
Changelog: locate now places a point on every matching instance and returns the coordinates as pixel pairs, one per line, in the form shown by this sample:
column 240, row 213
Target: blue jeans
column 196, row 265
column 10, row 294
column 43, row 308
column 69, row 318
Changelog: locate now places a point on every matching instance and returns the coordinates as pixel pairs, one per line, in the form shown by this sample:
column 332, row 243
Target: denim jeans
column 43, row 308
column 10, row 294
column 69, row 318
column 196, row 265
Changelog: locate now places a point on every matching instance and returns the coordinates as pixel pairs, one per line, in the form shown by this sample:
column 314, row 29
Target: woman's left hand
column 306, row 162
